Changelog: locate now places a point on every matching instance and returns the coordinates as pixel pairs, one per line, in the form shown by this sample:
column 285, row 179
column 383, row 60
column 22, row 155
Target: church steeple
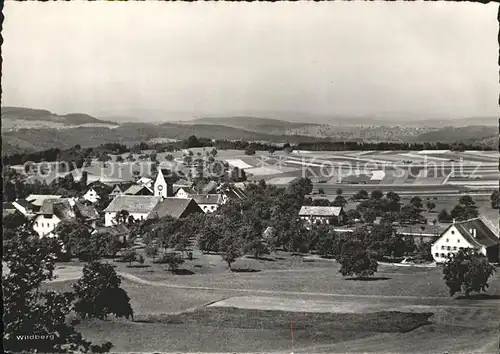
column 160, row 186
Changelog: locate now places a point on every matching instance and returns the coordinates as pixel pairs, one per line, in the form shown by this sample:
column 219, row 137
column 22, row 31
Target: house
column 36, row 200
column 95, row 192
column 175, row 207
column 120, row 231
column 208, row 202
column 138, row 206
column 473, row 233
column 184, row 192
column 137, row 189
column 54, row 211
column 323, row 214
column 145, row 181
column 231, row 193
column 119, row 189
column 24, row 207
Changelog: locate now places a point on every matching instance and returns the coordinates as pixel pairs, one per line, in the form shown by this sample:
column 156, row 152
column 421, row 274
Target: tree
column 129, row 255
column 169, row 157
column 355, row 260
column 121, row 217
column 393, row 196
column 174, row 260
column 362, row 194
column 213, row 152
column 467, row 271
column 257, row 247
column 321, row 191
column 99, row 294
column 249, row 151
column 417, row 202
column 30, row 310
column 230, row 251
column 430, row 205
column 119, row 158
column 495, row 199
column 152, row 156
column 339, row 199
column 152, row 250
column 325, row 240
column 444, row 216
column 9, row 192
column 191, row 142
column 377, row 194
column 301, row 187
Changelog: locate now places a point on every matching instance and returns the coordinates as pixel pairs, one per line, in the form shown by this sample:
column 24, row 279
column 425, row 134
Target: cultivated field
column 306, row 308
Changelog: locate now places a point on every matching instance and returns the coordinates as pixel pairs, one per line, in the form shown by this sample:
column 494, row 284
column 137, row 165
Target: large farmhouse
column 54, row 211
column 472, row 233
column 137, row 206
column 322, row 214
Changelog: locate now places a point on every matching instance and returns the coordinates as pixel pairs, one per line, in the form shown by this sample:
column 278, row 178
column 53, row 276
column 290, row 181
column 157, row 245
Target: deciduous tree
column 467, row 271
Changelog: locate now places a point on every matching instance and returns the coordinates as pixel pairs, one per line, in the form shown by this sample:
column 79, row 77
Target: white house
column 53, row 211
column 323, row 214
column 208, row 202
column 184, row 192
column 91, row 195
column 137, row 206
column 472, row 233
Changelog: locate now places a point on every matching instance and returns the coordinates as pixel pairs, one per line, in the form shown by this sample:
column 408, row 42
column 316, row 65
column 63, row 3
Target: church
column 162, row 186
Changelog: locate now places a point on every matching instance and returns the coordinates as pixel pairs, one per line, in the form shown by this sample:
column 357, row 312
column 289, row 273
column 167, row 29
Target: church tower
column 160, row 186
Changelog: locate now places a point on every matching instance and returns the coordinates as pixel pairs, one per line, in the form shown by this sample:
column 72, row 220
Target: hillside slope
column 254, row 124
column 20, row 117
column 463, row 134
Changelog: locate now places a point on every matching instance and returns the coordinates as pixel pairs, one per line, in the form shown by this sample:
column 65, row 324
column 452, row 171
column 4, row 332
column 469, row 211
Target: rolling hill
column 458, row 134
column 253, row 124
column 14, row 118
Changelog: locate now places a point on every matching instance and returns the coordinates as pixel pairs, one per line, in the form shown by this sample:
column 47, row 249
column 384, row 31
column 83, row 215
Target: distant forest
column 77, row 155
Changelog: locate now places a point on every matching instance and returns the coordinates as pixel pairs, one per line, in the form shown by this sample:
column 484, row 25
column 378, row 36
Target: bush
column 174, row 260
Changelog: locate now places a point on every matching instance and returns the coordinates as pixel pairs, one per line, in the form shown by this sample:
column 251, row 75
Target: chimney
column 454, row 220
column 474, row 233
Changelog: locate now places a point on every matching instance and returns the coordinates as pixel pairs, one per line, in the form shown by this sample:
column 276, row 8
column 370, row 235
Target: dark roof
column 133, row 203
column 183, row 183
column 63, row 210
column 234, row 193
column 123, row 186
column 24, row 203
column 484, row 236
column 136, row 189
column 8, row 206
column 206, row 198
column 174, row 207
column 86, row 211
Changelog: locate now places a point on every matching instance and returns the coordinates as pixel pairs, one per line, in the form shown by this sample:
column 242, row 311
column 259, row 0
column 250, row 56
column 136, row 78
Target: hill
column 253, row 124
column 458, row 134
column 14, row 118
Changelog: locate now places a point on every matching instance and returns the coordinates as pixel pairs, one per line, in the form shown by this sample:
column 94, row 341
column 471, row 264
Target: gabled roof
column 320, row 211
column 206, row 198
column 234, row 193
column 145, row 180
column 133, row 203
column 188, row 190
column 183, row 183
column 59, row 207
column 173, row 207
column 37, row 199
column 24, row 203
column 86, row 211
column 484, row 236
column 136, row 188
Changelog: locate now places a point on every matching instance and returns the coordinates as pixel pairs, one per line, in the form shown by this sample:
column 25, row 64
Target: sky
column 180, row 60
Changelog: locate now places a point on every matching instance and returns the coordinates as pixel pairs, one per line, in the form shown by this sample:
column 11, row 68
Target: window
column 453, row 232
column 448, row 248
column 442, row 255
column 442, row 247
column 447, row 240
column 458, row 241
column 437, row 254
column 43, row 225
column 454, row 248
